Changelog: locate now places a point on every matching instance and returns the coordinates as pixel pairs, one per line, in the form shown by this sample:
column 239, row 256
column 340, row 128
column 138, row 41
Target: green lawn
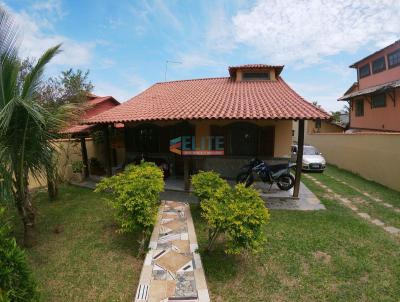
column 87, row 260
column 330, row 255
column 364, row 203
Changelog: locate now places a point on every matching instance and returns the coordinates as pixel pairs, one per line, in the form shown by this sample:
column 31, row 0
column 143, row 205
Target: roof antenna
column 166, row 67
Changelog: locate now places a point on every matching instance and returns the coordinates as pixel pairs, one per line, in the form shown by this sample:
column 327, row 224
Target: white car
column 312, row 158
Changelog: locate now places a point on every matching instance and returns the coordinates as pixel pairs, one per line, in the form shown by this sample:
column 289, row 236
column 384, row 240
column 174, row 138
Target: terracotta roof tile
column 213, row 98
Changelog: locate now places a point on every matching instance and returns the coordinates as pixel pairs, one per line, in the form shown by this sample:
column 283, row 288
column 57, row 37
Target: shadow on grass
column 218, row 266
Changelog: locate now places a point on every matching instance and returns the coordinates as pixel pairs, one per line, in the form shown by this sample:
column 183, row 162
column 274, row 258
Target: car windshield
column 310, row 151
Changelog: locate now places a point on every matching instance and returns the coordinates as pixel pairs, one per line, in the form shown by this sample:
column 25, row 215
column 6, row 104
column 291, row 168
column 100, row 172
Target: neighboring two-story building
column 375, row 98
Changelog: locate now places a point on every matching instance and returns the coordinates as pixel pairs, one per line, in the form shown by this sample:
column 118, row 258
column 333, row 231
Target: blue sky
column 125, row 44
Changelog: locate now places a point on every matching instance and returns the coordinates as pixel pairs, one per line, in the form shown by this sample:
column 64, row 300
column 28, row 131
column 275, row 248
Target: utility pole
column 166, row 67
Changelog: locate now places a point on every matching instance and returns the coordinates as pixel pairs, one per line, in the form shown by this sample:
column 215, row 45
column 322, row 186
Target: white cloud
column 105, row 63
column 149, row 12
column 53, row 7
column 138, row 83
column 304, row 32
column 219, row 34
column 35, row 41
column 132, row 85
column 195, row 60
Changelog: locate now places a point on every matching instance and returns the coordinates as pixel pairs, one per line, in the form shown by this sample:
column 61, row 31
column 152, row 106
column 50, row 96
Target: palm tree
column 26, row 128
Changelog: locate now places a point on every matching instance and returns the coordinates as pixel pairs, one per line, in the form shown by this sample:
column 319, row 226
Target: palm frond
column 9, row 70
column 8, row 35
column 32, row 79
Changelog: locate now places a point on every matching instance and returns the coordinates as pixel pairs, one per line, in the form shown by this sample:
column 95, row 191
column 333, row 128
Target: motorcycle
column 277, row 173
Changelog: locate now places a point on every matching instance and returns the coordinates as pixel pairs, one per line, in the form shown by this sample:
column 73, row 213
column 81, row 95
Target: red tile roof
column 94, row 99
column 97, row 104
column 233, row 69
column 213, row 98
column 77, row 129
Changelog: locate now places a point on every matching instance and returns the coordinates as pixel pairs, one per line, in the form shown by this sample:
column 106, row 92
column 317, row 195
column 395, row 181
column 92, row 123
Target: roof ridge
column 188, row 80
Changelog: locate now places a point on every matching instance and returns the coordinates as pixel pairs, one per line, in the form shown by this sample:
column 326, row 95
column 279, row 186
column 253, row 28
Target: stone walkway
column 349, row 204
column 366, row 194
column 172, row 270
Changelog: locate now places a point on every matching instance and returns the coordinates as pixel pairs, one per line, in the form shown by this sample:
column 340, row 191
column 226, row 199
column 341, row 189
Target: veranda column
column 107, row 152
column 186, row 172
column 299, row 161
column 84, row 158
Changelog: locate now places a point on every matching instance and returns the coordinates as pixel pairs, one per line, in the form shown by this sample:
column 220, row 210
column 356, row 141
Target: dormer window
column 255, row 76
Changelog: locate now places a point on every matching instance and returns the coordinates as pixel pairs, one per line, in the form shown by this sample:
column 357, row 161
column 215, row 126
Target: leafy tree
column 71, row 87
column 26, row 127
column 16, row 281
column 55, row 94
column 135, row 195
column 336, row 116
column 68, row 89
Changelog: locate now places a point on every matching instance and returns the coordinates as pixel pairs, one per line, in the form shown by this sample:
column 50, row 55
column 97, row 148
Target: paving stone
column 161, row 289
column 173, row 261
column 168, row 272
column 388, row 205
column 392, row 230
column 354, row 208
column 364, row 215
column 182, row 246
column 378, row 222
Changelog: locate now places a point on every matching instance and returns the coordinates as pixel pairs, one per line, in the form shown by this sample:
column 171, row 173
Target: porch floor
column 274, row 198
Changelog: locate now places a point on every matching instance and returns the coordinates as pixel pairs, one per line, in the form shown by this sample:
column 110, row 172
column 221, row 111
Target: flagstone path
column 349, row 204
column 172, row 270
column 366, row 194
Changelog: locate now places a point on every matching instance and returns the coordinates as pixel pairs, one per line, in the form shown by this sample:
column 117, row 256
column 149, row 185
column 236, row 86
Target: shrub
column 205, row 184
column 135, row 195
column 77, row 166
column 240, row 214
column 16, row 281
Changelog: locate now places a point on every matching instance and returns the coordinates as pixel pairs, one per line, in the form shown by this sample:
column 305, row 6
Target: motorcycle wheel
column 245, row 178
column 285, row 182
